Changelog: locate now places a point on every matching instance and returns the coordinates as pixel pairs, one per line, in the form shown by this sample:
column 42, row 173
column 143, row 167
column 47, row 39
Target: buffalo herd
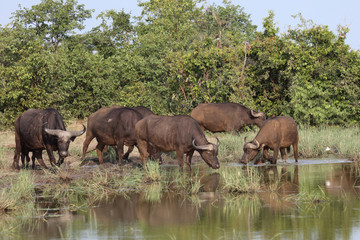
column 38, row 130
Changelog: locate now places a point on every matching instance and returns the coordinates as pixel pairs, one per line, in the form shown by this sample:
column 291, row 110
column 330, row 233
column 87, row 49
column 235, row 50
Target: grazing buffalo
column 36, row 130
column 113, row 126
column 276, row 134
column 226, row 117
column 175, row 133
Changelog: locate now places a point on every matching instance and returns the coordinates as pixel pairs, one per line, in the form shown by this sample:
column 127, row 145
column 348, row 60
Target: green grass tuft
column 240, row 180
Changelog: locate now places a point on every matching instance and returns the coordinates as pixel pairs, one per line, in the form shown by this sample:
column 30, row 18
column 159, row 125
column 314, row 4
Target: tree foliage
column 174, row 56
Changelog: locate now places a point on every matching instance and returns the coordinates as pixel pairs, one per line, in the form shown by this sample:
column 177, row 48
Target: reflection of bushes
column 248, row 205
column 183, row 183
column 153, row 192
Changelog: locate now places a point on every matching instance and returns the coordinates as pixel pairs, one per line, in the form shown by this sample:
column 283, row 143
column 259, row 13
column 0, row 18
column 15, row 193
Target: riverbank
column 93, row 182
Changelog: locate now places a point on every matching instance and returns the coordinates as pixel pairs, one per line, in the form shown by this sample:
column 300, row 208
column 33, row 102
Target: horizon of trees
column 174, row 56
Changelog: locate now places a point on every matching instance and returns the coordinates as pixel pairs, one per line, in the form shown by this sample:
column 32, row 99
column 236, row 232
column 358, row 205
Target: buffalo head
column 63, row 138
column 259, row 117
column 251, row 149
column 209, row 153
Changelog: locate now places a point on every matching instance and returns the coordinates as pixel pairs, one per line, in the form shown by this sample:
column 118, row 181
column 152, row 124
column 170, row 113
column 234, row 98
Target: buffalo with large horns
column 175, row 133
column 37, row 130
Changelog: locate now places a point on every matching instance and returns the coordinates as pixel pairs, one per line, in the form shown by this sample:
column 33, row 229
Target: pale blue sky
column 324, row 12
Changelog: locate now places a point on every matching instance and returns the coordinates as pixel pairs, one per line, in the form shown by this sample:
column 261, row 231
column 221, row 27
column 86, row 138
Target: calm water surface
column 273, row 212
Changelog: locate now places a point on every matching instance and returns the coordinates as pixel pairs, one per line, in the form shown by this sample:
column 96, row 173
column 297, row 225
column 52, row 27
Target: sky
column 322, row 12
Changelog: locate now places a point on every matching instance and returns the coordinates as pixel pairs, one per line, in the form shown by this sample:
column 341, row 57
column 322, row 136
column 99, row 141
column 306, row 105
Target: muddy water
column 329, row 208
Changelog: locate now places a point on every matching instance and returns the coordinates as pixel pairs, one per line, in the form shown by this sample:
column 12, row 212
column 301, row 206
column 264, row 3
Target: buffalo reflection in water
column 278, row 189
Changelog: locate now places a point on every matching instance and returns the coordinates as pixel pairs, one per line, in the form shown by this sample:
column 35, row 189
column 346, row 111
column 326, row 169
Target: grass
column 231, row 147
column 152, row 171
column 343, row 142
column 19, row 192
column 240, row 180
column 17, row 199
column 100, row 185
column 2, row 158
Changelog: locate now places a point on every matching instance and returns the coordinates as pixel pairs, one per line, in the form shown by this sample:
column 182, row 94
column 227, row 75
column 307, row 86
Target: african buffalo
column 276, row 134
column 225, row 117
column 175, row 133
column 114, row 126
column 144, row 111
column 36, row 130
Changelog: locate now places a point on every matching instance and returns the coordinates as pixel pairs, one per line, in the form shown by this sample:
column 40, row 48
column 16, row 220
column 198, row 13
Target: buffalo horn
column 254, row 145
column 57, row 132
column 254, row 114
column 207, row 147
column 217, row 142
column 78, row 133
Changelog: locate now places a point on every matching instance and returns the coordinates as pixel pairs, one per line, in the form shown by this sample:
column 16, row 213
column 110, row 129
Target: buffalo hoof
column 16, row 166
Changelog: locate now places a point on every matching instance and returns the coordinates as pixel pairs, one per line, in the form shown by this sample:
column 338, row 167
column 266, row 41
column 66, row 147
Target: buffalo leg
column 33, row 160
column 27, row 160
column 188, row 160
column 24, row 155
column 296, row 153
column 283, row 154
column 266, row 154
column 99, row 149
column 180, row 158
column 16, row 161
column 17, row 151
column 37, row 155
column 120, row 151
column 275, row 155
column 51, row 156
column 41, row 161
column 130, row 149
column 155, row 153
column 86, row 143
column 105, row 150
column 143, row 149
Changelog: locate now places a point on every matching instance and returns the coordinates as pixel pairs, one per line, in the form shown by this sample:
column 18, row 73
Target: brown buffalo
column 144, row 111
column 226, row 117
column 114, row 127
column 276, row 133
column 175, row 133
column 37, row 130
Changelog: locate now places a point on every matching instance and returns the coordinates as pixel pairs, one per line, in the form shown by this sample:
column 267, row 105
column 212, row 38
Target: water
column 333, row 211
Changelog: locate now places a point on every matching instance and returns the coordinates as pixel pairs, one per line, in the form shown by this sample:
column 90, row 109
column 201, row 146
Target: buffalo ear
column 72, row 139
